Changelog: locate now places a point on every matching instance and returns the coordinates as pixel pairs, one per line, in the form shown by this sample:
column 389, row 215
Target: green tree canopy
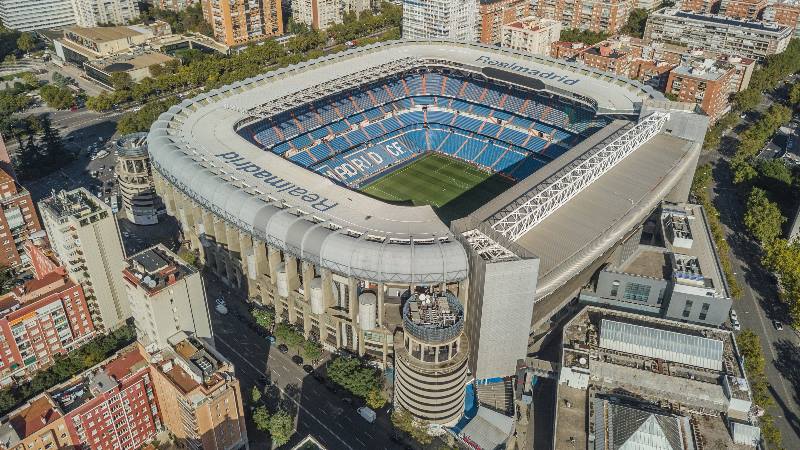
column 312, row 350
column 404, row 421
column 281, row 427
column 57, row 97
column 26, row 42
column 636, row 22
column 352, row 375
column 261, row 418
column 265, row 318
column 585, row 36
column 762, row 217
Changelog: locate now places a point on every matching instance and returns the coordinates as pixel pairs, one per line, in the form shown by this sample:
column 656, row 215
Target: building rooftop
column 99, row 380
column 104, row 34
column 192, row 366
column 532, row 23
column 704, row 69
column 77, row 203
column 155, row 268
column 28, row 420
column 726, row 21
column 130, row 61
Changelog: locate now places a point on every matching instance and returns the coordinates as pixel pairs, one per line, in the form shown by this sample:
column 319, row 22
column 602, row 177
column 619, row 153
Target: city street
column 759, row 304
column 330, row 417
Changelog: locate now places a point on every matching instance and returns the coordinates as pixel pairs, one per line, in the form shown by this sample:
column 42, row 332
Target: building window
column 687, row 308
column 614, row 288
column 637, row 292
column 704, row 311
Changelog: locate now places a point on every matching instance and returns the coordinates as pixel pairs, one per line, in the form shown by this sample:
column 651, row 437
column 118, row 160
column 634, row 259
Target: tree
column 7, row 279
column 636, row 22
column 585, row 36
column 255, row 394
column 289, row 336
column 375, row 399
column 352, row 375
column 312, row 350
column 26, row 42
column 57, row 97
column 265, row 318
column 121, row 81
column 404, row 421
column 281, row 427
column 261, row 418
column 776, row 173
column 794, row 94
column 762, row 217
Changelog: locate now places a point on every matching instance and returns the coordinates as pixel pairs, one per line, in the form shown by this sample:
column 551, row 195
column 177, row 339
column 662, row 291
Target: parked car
column 736, row 325
column 220, row 301
column 778, row 326
column 297, row 360
column 270, row 339
column 308, row 368
column 283, row 348
column 733, row 315
column 367, row 413
column 221, row 309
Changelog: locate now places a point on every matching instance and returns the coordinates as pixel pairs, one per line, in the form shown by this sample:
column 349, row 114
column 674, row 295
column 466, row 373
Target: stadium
column 337, row 189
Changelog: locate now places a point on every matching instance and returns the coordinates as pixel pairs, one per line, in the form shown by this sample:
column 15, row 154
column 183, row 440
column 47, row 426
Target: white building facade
column 436, row 19
column 92, row 13
column 531, row 34
column 29, row 15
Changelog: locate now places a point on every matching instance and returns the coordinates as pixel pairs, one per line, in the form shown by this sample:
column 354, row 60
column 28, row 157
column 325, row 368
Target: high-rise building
column 39, row 320
column 531, row 34
column 494, row 14
column 321, row 14
column 705, row 82
column 237, row 22
column 699, row 6
column 140, row 204
column 18, row 220
column 431, row 350
column 92, row 13
column 166, row 297
column 199, row 396
column 742, row 38
column 29, row 15
column 607, row 16
column 84, row 234
column 435, row 19
column 742, row 9
column 786, row 12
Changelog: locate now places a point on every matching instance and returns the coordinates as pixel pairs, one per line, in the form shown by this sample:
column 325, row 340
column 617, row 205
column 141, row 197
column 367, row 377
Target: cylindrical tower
column 139, row 200
column 431, row 359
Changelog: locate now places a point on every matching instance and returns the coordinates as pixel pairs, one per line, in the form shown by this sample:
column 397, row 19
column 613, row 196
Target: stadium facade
column 265, row 177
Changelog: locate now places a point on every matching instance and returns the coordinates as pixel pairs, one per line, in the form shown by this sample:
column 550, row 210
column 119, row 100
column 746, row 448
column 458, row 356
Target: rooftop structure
column 35, row 424
column 660, row 376
column 495, row 14
column 136, row 64
column 18, row 220
column 530, row 34
column 80, row 44
column 441, row 19
column 140, row 204
column 594, row 15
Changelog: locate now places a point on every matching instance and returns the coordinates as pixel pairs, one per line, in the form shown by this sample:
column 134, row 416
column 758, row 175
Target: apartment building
column 531, row 34
column 18, row 220
column 494, row 14
column 92, row 13
column 238, row 22
column 321, row 14
column 39, row 320
column 742, row 9
column 37, row 425
column 705, row 82
column 199, row 396
column 113, row 406
column 84, row 234
column 699, row 6
column 609, row 57
column 721, row 34
column 166, row 297
column 434, row 19
column 786, row 12
column 607, row 16
column 30, row 15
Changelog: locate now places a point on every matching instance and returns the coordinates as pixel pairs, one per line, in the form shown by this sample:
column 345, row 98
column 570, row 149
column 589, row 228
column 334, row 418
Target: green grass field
column 452, row 187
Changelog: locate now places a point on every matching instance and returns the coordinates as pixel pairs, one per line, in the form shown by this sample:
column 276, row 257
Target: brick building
column 113, row 406
column 37, row 425
column 705, row 82
column 496, row 13
column 531, row 34
column 18, row 220
column 700, row 6
column 39, row 320
column 742, row 9
column 238, row 22
column 609, row 57
column 608, row 16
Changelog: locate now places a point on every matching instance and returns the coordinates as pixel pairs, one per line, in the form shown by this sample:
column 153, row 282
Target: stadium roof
column 195, row 145
column 662, row 344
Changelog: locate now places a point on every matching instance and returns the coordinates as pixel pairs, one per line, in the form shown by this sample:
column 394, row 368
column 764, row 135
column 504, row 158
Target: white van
column 368, row 414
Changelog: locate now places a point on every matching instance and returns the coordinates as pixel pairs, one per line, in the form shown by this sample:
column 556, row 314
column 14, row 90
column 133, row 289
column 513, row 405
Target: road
column 322, row 413
column 759, row 306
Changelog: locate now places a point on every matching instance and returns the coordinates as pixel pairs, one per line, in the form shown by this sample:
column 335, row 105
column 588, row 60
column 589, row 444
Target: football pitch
column 452, row 187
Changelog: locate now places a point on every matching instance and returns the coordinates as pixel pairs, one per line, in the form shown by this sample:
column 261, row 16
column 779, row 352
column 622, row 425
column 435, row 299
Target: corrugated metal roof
column 663, row 344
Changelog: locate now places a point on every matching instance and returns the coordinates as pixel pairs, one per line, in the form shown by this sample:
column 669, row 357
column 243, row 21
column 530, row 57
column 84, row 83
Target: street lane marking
column 299, row 406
